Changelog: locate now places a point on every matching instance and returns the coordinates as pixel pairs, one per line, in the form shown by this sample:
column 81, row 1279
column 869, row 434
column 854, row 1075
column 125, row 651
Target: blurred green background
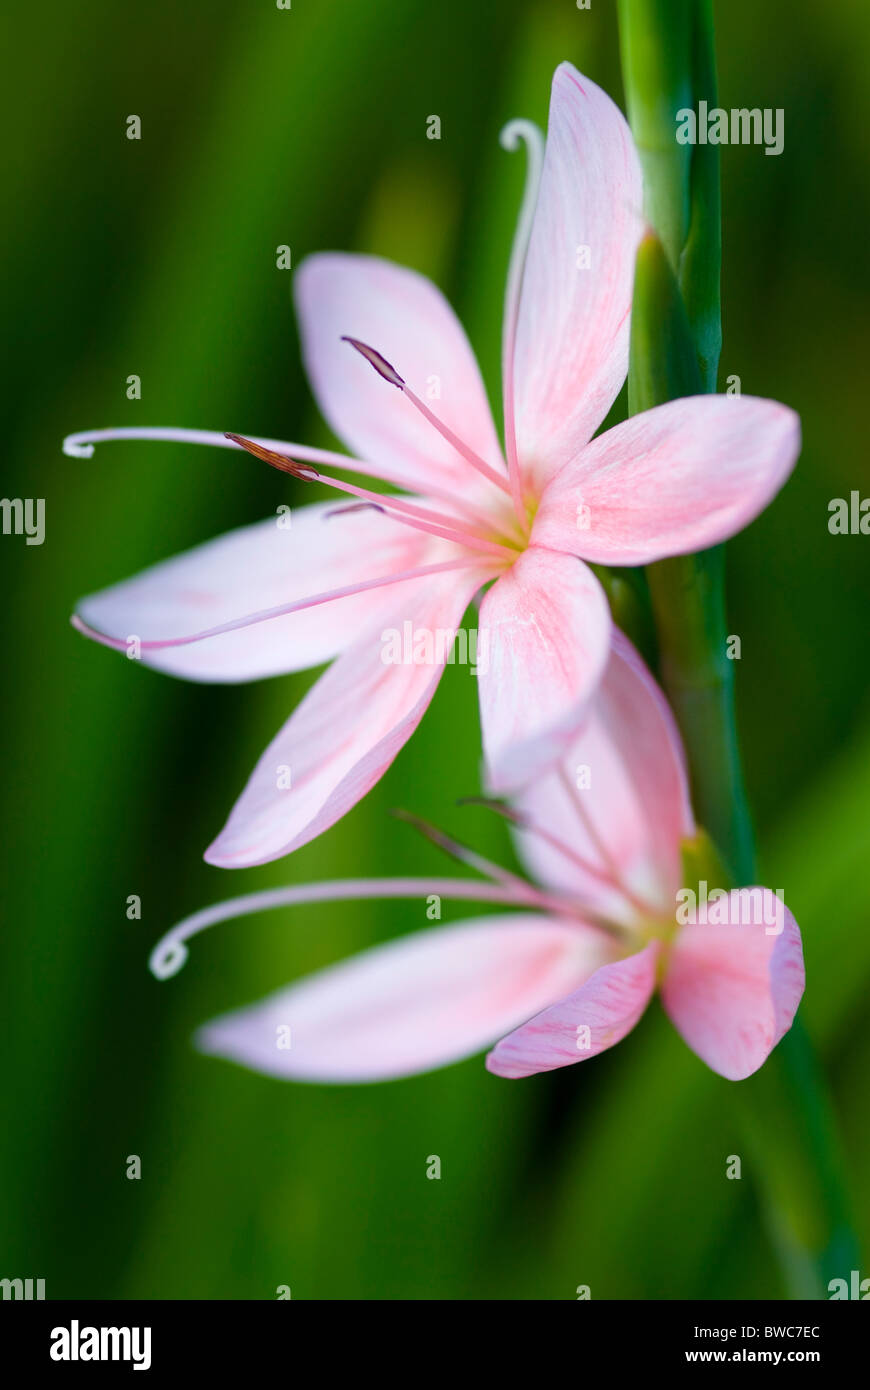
column 307, row 127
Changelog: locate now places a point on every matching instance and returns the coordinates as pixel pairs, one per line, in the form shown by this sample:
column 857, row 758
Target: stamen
column 463, row 854
column 418, row 518
column 266, row 614
column 648, row 909
column 382, row 501
column 389, row 373
column 531, row 827
column 170, row 953
column 512, row 136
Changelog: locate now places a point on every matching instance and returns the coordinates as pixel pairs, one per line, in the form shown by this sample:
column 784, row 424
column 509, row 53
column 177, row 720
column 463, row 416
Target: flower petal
column 421, row 1002
column 348, row 729
column 543, row 643
column 572, row 332
column 619, row 800
column 673, row 480
column 259, row 567
column 732, row 991
column 408, row 321
column 593, row 1018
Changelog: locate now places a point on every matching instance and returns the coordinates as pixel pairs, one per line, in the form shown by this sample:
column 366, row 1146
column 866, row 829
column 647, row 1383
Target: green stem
column 668, row 64
column 688, row 602
column 658, row 83
column 688, row 593
column 701, row 257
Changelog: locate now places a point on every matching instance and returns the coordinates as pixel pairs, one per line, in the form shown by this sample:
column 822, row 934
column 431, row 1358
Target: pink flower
column 265, row 600
column 570, row 975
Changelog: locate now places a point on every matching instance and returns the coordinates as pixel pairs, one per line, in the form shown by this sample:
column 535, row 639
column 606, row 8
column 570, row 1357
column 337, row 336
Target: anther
column 279, row 461
column 376, row 360
column 389, row 373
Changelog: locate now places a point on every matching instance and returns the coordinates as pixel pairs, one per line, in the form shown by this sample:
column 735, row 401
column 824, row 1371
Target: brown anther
column 274, row 460
column 380, row 364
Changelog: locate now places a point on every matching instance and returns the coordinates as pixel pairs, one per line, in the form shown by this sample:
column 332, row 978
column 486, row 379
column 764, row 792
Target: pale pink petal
column 544, row 635
column 593, row 1018
column 619, row 801
column 421, row 1002
column 409, row 322
column 349, row 727
column 673, row 480
column 259, row 567
column 732, row 990
column 572, row 333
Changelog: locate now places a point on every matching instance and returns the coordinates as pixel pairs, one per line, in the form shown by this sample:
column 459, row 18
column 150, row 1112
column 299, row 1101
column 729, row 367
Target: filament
column 415, row 517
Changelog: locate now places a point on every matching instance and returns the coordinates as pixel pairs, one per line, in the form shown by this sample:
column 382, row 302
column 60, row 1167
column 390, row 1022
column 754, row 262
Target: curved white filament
column 513, row 135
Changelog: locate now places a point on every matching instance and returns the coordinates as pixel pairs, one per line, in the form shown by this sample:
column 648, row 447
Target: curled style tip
column 167, row 959
column 75, row 449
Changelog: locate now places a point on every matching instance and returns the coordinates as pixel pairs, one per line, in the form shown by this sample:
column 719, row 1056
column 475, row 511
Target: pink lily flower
column 265, row 600
column 571, row 974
